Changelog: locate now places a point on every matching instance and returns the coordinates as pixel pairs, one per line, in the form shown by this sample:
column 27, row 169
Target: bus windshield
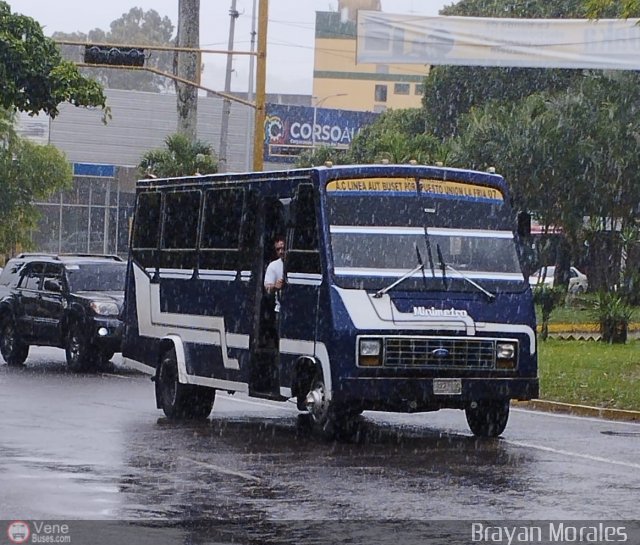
column 376, row 238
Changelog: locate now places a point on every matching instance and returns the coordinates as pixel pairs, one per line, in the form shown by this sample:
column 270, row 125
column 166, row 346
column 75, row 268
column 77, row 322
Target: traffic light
column 114, row 56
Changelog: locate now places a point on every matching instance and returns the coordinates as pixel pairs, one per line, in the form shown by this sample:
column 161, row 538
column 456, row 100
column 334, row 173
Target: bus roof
column 325, row 174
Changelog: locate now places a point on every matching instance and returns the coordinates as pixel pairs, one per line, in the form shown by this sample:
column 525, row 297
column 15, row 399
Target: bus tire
column 488, row 418
column 180, row 401
column 334, row 420
column 13, row 350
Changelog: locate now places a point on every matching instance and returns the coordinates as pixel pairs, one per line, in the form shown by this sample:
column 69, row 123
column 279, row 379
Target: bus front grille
column 439, row 352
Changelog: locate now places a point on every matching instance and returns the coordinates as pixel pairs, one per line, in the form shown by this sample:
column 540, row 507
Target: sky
column 290, row 32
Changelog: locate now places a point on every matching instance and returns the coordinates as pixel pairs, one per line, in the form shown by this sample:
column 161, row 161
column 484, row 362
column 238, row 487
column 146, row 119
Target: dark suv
column 69, row 301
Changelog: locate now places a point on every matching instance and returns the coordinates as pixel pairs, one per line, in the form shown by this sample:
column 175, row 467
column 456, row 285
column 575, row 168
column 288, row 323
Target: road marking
column 569, row 453
column 111, row 375
column 223, row 470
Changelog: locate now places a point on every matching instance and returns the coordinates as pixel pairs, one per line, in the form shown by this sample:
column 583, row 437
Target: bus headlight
column 506, row 355
column 369, row 352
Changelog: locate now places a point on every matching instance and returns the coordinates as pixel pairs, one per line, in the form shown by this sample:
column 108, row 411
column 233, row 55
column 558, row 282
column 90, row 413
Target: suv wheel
column 78, row 349
column 13, row 350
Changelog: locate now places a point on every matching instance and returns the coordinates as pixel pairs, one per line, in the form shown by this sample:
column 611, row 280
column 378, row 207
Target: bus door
column 264, row 378
column 299, row 300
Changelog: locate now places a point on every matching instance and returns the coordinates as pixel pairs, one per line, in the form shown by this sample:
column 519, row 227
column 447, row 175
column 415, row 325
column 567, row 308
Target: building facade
column 94, row 215
column 338, row 82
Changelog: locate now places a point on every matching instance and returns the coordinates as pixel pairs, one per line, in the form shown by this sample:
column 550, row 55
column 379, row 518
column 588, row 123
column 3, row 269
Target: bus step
column 274, row 396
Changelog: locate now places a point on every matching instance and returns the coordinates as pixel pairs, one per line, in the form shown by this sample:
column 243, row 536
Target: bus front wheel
column 488, row 418
column 333, row 419
column 177, row 400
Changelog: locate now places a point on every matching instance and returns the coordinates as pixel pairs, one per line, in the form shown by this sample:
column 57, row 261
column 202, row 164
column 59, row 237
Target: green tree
column 398, row 136
column 28, row 172
column 180, row 157
column 612, row 8
column 322, row 155
column 34, row 76
column 566, row 155
column 137, row 27
column 451, row 91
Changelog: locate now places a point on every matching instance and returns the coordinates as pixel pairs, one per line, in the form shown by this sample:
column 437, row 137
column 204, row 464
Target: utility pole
column 261, row 80
column 186, row 66
column 226, row 105
column 250, row 84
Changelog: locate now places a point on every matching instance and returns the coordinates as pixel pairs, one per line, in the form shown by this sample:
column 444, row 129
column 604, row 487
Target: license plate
column 447, row 386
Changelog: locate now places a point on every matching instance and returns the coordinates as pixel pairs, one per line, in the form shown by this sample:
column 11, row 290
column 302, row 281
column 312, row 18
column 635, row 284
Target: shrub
column 548, row 299
column 614, row 315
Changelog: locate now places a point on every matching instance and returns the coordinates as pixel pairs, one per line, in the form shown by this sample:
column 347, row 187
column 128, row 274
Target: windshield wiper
column 429, row 254
column 424, row 276
column 444, row 266
column 418, row 267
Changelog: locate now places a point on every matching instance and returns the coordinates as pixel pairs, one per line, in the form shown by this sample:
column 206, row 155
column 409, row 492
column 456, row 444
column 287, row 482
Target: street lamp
column 316, row 104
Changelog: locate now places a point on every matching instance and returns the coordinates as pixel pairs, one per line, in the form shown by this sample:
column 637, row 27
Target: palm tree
column 181, row 157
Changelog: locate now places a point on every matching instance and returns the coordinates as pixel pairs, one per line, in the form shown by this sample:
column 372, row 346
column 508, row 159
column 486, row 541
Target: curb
column 633, row 327
column 580, row 410
column 584, row 332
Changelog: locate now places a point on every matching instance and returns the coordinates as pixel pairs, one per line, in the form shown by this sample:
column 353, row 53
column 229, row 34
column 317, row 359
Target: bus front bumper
column 430, row 394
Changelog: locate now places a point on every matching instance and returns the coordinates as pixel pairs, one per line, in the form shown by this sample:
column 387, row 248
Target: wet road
column 93, row 446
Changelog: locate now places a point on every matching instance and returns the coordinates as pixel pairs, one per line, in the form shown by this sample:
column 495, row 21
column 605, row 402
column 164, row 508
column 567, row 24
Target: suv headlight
column 105, row 308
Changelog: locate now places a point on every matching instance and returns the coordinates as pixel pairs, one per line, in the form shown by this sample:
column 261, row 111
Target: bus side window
column 180, row 229
column 146, row 227
column 221, row 228
column 248, row 230
column 303, row 255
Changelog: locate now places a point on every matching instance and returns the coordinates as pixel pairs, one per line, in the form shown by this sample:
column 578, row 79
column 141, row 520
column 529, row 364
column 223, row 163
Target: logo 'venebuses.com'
column 18, row 531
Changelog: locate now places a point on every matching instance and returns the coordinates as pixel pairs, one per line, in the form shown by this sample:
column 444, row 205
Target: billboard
column 290, row 130
column 484, row 41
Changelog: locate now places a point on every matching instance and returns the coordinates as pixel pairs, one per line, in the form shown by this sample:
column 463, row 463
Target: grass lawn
column 590, row 373
column 578, row 310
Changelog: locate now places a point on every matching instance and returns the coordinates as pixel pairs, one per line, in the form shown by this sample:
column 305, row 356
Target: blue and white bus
column 404, row 292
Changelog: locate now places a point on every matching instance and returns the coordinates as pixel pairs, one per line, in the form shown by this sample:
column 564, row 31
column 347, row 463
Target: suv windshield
column 96, row 277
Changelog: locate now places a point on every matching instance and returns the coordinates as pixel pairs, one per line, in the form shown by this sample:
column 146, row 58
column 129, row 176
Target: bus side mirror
column 524, row 224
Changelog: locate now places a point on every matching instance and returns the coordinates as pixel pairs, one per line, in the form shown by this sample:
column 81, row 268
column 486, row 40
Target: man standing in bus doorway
column 274, row 276
column 273, row 283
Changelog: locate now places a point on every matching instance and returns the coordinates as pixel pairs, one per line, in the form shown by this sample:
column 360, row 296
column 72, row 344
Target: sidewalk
column 579, row 410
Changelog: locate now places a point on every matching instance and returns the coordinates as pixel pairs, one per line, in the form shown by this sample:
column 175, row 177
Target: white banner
column 385, row 38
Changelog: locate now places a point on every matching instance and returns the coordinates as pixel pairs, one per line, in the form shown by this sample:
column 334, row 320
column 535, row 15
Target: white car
column 578, row 282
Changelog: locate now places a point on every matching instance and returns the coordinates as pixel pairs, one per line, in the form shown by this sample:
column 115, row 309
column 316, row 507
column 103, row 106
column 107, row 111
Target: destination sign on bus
column 433, row 187
column 373, row 184
column 456, row 189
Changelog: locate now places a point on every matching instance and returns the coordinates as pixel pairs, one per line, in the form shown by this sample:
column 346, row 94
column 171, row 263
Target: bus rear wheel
column 488, row 418
column 180, row 401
